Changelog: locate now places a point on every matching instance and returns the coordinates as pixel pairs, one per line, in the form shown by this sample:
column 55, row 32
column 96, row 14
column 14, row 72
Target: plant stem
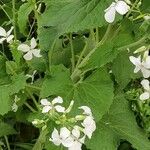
column 134, row 44
column 83, row 62
column 14, row 18
column 7, row 142
column 97, row 35
column 32, row 109
column 33, row 98
column 33, row 87
column 72, row 53
column 5, row 12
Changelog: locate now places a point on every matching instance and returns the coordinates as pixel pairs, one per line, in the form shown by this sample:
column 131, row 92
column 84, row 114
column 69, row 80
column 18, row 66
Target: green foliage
column 118, row 124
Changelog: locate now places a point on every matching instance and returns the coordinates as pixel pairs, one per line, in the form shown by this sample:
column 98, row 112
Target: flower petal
column 33, row 43
column 137, row 69
column 60, row 109
column 9, row 38
column 146, row 63
column 46, row 109
column 23, row 48
column 45, row 102
column 121, row 7
column 36, row 53
column 76, row 133
column 110, row 14
column 87, row 110
column 144, row 96
column 55, row 137
column 145, row 72
column 3, row 32
column 2, row 40
column 76, row 146
column 145, row 84
column 135, row 61
column 64, row 133
column 9, row 32
column 57, row 100
column 28, row 56
column 68, row 142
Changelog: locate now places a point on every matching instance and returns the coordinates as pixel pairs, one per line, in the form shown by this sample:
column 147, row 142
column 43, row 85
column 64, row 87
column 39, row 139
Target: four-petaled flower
column 146, row 95
column 63, row 138
column 119, row 6
column 144, row 65
column 51, row 105
column 30, row 50
column 88, row 123
column 6, row 35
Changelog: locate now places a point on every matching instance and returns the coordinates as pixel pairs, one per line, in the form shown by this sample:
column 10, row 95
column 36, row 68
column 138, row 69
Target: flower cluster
column 143, row 64
column 73, row 131
column 120, row 7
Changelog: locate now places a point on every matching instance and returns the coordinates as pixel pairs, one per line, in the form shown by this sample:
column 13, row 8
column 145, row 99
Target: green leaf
column 11, row 67
column 18, row 83
column 96, row 92
column 118, row 124
column 68, row 16
column 5, row 101
column 57, row 83
column 6, row 129
column 23, row 14
column 106, row 52
column 123, row 69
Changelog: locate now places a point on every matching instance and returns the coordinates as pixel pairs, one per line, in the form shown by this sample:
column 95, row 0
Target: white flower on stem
column 32, row 76
column 51, row 105
column 15, row 106
column 6, row 35
column 30, row 50
column 144, row 65
column 63, row 138
column 89, row 126
column 77, row 143
column 88, row 123
column 146, row 95
column 119, row 6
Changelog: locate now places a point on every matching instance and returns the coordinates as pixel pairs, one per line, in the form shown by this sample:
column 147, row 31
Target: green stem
column 7, row 142
column 33, row 87
column 97, row 35
column 5, row 12
column 14, row 19
column 33, row 98
column 134, row 44
column 72, row 52
column 76, row 72
column 32, row 109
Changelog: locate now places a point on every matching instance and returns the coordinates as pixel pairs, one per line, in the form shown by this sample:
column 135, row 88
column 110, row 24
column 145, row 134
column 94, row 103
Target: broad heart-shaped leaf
column 57, row 83
column 6, row 129
column 118, row 124
column 18, row 82
column 70, row 16
column 96, row 91
column 23, row 13
column 122, row 68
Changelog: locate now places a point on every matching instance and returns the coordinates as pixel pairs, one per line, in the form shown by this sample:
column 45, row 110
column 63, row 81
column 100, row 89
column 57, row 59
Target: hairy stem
column 72, row 53
column 7, row 142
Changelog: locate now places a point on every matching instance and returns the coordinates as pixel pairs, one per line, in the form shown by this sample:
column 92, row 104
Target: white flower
column 14, row 107
column 32, row 76
column 77, row 143
column 30, row 50
column 147, row 17
column 89, row 126
column 51, row 105
column 63, row 138
column 119, row 6
column 144, row 65
column 87, row 110
column 146, row 95
column 6, row 35
column 88, row 123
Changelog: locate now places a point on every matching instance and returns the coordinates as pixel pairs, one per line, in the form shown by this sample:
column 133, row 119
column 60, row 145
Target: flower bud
column 141, row 49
